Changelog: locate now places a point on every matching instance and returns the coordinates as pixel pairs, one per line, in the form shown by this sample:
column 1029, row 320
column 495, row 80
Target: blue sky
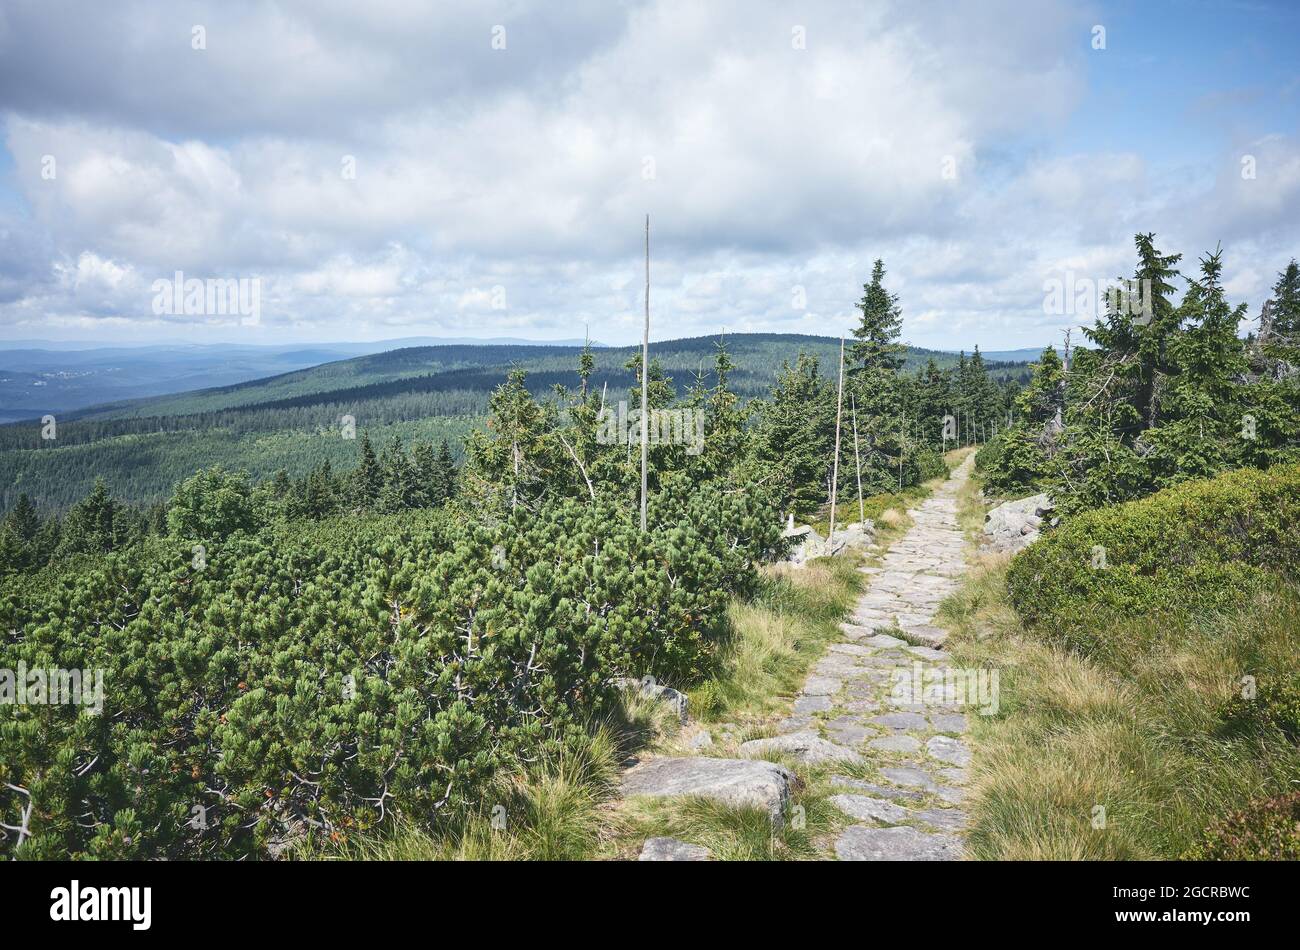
column 982, row 150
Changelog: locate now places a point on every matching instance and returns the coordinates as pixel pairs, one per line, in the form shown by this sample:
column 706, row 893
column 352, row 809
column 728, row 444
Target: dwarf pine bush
column 321, row 680
column 1202, row 545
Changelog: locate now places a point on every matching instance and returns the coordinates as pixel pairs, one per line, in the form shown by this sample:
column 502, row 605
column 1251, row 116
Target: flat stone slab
column 955, row 776
column 909, row 776
column 848, row 731
column 812, row 704
column 876, row 791
column 864, row 808
column 861, row 843
column 670, row 849
column 802, row 746
column 949, row 722
column 946, row 749
column 901, row 720
column 822, row 686
column 862, row 706
column 895, row 744
column 738, row 782
column 925, row 634
column 852, row 649
column 949, row 819
column 797, row 723
column 953, row 796
column 884, row 640
column 928, row 653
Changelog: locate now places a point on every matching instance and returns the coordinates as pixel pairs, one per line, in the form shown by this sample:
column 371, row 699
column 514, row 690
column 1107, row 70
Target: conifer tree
column 368, row 479
column 877, row 355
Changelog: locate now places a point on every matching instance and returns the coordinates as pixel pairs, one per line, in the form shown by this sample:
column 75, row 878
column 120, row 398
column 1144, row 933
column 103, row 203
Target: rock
column 1015, row 524
column 858, row 534
column 901, row 720
column 737, row 782
column 884, row 640
column 876, row 791
column 670, row 849
column 806, row 544
column 849, row 731
column 948, row 722
column 924, row 634
column 910, row 777
column 664, row 694
column 949, row 819
column 861, row 843
column 812, row 704
column 822, row 686
column 863, row 808
column 947, row 749
column 895, row 744
column 953, row 796
column 852, row 649
column 700, row 740
column 802, row 746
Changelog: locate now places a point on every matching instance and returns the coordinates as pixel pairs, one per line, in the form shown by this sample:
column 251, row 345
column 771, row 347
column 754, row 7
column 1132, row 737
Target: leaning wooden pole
column 857, row 460
column 645, row 380
column 835, row 467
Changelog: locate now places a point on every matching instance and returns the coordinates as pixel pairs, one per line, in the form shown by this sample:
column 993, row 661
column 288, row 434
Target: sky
column 388, row 169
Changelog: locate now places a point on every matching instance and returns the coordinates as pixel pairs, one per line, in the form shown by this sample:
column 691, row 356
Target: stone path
column 870, row 700
column 866, row 713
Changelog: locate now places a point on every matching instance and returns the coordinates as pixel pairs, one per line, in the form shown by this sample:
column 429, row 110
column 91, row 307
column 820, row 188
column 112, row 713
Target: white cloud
column 525, row 168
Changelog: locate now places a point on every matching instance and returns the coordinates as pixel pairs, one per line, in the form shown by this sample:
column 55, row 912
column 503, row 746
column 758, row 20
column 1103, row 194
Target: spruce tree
column 427, row 490
column 445, row 474
column 368, row 480
column 795, row 435
column 1286, row 303
column 877, row 349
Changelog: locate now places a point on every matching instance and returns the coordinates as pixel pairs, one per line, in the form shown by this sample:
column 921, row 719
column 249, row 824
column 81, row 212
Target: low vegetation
column 1140, row 718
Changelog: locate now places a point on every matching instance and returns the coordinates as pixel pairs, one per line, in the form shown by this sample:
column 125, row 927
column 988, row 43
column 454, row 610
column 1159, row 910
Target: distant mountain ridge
column 39, row 377
column 291, row 420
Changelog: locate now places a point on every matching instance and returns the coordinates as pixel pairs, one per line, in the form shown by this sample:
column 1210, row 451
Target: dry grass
column 1116, row 759
column 776, row 637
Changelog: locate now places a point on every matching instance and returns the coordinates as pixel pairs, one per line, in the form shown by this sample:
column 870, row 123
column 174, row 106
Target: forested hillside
column 315, row 658
column 295, row 421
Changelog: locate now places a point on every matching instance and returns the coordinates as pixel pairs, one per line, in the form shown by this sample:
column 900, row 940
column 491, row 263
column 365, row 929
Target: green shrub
column 1274, row 704
column 1012, row 463
column 928, row 463
column 1265, row 830
column 1203, row 545
column 336, row 675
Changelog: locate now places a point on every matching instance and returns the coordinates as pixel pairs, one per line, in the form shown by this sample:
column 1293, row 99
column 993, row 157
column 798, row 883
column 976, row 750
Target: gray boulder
column 807, row 747
column 737, row 782
column 1015, row 524
column 652, row 690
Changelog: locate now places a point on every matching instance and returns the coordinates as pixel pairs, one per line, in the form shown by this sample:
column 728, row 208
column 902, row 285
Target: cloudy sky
column 483, row 168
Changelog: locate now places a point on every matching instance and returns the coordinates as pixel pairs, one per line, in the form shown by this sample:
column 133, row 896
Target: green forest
column 296, row 421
